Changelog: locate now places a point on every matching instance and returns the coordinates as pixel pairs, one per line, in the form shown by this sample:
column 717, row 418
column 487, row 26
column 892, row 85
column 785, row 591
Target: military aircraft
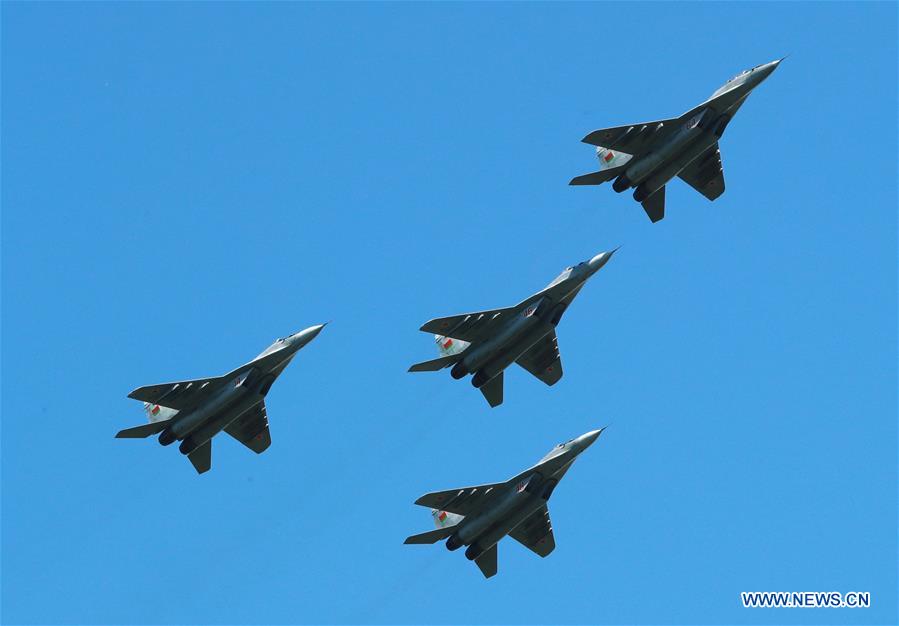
column 478, row 517
column 648, row 155
column 485, row 343
column 194, row 411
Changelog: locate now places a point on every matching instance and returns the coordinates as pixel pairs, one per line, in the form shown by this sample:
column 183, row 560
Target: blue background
column 183, row 183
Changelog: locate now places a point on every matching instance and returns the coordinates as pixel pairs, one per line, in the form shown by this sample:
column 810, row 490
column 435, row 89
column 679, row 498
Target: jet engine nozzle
column 473, row 551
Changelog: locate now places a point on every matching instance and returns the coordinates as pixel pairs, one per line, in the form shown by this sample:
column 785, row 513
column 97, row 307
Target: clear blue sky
column 183, row 183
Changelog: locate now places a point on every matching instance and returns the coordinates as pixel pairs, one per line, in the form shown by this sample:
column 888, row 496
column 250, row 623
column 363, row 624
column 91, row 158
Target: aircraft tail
column 157, row 413
column 436, row 364
column 142, row 431
column 201, row 457
column 611, row 165
column 597, row 178
column 442, row 519
column 449, row 346
column 493, row 390
column 654, row 205
column 487, row 562
column 431, row 536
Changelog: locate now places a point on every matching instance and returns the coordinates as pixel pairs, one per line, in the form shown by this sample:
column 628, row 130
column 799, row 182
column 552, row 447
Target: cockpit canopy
column 743, row 73
column 739, row 78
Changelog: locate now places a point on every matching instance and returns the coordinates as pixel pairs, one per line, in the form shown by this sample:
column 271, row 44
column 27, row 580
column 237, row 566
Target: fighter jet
column 478, row 517
column 194, row 411
column 648, row 155
column 485, row 343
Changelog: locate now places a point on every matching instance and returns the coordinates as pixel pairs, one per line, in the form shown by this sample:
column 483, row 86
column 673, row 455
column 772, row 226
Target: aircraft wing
column 536, row 532
column 543, row 360
column 705, row 174
column 633, row 139
column 470, row 327
column 181, row 395
column 460, row 501
column 251, row 429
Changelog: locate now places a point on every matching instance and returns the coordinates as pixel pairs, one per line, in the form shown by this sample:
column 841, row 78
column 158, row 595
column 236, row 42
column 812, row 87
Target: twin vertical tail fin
column 444, row 519
column 611, row 165
column 158, row 417
column 654, row 205
column 493, row 390
column 201, row 457
column 450, row 353
column 449, row 346
column 446, row 525
column 157, row 413
column 487, row 562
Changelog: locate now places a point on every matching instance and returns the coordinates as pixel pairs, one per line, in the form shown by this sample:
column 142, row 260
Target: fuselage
column 512, row 340
column 482, row 531
column 197, row 426
column 697, row 134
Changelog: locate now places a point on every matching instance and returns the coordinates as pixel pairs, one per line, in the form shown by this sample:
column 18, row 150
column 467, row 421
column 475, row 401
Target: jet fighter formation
column 650, row 154
column 485, row 343
column 481, row 344
column 194, row 411
column 478, row 517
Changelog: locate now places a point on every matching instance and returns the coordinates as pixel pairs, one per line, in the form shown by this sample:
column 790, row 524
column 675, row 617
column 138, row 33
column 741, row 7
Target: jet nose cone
column 587, row 439
column 307, row 334
column 766, row 70
column 599, row 260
